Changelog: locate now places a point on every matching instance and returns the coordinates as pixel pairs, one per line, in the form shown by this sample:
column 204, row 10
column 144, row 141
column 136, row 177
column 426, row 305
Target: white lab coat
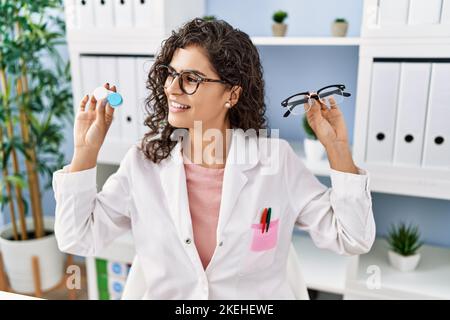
column 152, row 200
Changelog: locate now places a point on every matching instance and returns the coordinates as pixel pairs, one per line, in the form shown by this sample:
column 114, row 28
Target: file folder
column 107, row 72
column 143, row 66
column 412, row 109
column 148, row 13
column 424, row 12
column 85, row 14
column 123, row 12
column 437, row 135
column 382, row 112
column 126, row 70
column 393, row 12
column 445, row 13
column 104, row 14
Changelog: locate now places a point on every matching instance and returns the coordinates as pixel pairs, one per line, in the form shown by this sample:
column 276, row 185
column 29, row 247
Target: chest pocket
column 262, row 239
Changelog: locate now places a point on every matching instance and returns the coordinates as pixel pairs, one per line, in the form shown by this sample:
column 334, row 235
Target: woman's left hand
column 328, row 124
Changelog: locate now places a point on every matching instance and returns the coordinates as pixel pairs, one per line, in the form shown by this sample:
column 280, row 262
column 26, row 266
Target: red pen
column 263, row 220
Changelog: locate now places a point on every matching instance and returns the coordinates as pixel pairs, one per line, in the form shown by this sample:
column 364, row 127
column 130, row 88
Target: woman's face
column 207, row 104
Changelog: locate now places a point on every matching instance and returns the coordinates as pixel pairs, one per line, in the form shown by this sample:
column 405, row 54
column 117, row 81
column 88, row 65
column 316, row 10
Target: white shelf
column 431, row 279
column 306, row 41
column 322, row 269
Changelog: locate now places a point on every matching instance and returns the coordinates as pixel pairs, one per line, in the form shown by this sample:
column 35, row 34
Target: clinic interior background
column 291, row 69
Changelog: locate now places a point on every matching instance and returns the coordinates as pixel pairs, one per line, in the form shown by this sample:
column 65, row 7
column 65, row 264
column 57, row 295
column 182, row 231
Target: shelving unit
column 323, row 270
column 305, row 41
column 431, row 279
column 121, row 251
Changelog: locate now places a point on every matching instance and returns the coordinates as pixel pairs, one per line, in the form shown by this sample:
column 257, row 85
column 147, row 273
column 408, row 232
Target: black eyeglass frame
column 199, row 79
column 293, row 104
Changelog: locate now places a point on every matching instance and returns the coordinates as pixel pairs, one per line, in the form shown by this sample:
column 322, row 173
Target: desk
column 14, row 296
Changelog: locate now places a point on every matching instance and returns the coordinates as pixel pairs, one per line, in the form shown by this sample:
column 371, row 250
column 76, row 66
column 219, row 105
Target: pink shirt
column 204, row 187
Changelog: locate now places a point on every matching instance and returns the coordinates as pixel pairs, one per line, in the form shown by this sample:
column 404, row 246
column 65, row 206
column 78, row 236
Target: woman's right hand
column 92, row 122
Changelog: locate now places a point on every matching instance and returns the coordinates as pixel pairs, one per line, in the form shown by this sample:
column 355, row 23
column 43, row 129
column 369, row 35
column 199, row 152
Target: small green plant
column 279, row 16
column 340, row 20
column 209, row 18
column 308, row 130
column 404, row 239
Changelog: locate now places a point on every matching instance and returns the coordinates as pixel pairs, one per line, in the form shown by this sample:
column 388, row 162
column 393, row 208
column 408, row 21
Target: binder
column 85, row 13
column 437, row 134
column 123, row 13
column 143, row 66
column 412, row 108
column 393, row 12
column 107, row 72
column 104, row 14
column 146, row 12
column 424, row 12
column 88, row 75
column 127, row 83
column 382, row 112
column 445, row 13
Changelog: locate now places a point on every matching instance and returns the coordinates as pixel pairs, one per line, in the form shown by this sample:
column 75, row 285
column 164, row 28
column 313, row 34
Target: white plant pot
column 17, row 258
column 339, row 29
column 279, row 29
column 403, row 263
column 314, row 150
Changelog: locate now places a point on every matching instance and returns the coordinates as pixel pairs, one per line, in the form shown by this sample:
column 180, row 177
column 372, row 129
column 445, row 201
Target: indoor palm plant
column 35, row 100
column 314, row 150
column 404, row 241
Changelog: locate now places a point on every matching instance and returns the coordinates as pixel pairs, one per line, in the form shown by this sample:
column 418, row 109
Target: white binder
column 107, row 72
column 437, row 135
column 85, row 14
column 88, row 75
column 123, row 12
column 143, row 66
column 104, row 14
column 424, row 12
column 412, row 108
column 393, row 12
column 143, row 16
column 382, row 112
column 127, row 86
column 445, row 13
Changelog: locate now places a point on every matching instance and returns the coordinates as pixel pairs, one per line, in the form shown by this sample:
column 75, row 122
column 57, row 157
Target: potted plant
column 35, row 99
column 209, row 18
column 314, row 150
column 279, row 28
column 339, row 27
column 404, row 243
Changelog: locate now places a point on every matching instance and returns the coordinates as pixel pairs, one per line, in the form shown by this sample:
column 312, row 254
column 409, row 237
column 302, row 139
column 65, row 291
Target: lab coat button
column 188, row 241
column 220, row 243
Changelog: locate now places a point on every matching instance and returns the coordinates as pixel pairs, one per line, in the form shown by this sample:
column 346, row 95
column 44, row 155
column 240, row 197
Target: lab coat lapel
column 235, row 175
column 173, row 180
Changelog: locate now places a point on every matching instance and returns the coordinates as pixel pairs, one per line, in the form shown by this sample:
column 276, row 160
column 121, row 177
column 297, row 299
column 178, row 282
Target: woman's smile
column 176, row 107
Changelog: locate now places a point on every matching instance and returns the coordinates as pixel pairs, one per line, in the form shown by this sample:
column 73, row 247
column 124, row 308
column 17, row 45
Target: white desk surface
column 431, row 279
column 14, row 296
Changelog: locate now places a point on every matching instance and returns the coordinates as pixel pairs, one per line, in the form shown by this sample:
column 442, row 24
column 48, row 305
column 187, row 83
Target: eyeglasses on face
column 188, row 80
column 295, row 102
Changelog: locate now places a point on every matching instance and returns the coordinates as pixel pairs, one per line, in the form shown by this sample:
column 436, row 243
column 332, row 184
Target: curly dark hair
column 233, row 57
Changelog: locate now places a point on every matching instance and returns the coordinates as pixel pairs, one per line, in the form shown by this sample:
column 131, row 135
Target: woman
column 206, row 226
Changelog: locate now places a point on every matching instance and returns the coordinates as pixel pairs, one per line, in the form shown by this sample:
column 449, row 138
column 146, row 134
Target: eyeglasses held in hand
column 295, row 102
column 188, row 80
